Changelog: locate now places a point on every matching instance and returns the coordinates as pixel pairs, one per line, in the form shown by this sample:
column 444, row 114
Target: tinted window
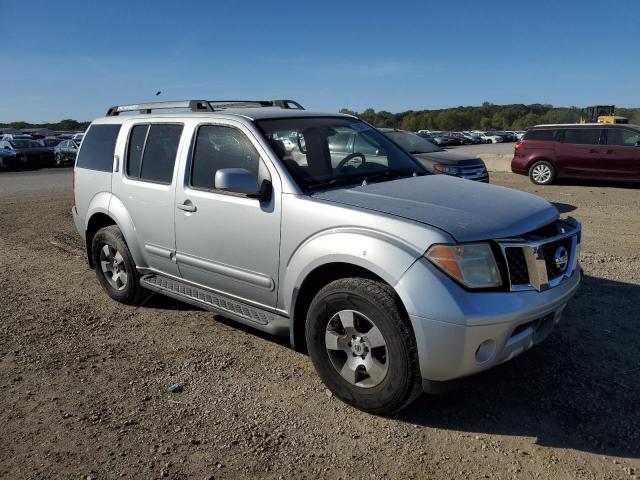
column 136, row 146
column 160, row 153
column 98, row 148
column 548, row 135
column 619, row 136
column 220, row 147
column 583, row 136
column 152, row 152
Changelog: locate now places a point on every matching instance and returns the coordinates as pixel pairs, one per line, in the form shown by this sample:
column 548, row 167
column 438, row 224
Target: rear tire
column 542, row 173
column 114, row 266
column 362, row 345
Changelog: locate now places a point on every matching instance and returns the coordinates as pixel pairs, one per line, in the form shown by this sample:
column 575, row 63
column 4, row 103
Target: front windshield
column 324, row 151
column 412, row 143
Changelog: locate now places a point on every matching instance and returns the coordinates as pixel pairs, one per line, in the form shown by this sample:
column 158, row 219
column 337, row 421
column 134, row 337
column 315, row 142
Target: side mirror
column 240, row 180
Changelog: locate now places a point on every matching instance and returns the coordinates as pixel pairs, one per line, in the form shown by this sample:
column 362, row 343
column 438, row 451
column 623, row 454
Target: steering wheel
column 349, row 157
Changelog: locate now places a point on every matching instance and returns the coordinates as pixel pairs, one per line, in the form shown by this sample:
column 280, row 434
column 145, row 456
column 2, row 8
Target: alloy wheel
column 113, row 267
column 541, row 173
column 357, row 349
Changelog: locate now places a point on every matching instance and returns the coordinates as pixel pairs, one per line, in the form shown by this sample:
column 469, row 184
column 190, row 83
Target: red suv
column 597, row 151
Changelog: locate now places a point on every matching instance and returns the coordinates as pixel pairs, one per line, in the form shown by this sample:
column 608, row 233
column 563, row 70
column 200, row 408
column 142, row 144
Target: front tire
column 542, row 173
column 114, row 266
column 362, row 345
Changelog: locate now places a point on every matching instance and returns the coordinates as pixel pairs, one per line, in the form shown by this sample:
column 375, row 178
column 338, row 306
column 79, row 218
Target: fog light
column 485, row 351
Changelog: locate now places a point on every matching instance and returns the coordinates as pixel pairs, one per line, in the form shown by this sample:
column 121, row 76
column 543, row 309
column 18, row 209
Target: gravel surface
column 94, row 389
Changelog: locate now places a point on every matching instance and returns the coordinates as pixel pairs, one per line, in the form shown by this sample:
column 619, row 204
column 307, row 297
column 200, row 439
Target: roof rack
column 202, row 105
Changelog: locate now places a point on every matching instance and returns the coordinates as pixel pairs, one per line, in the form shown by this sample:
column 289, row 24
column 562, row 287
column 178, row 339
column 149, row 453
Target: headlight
column 473, row 265
column 446, row 169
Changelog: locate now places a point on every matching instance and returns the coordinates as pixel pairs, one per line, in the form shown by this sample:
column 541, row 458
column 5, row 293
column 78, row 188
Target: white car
column 491, row 138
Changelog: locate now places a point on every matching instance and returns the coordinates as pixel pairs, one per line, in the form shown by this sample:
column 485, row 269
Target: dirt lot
column 83, row 379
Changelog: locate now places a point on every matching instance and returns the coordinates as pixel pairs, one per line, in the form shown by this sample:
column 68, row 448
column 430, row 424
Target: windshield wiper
column 405, row 172
column 334, row 182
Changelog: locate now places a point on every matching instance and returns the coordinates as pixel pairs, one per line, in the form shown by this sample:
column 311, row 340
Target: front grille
column 472, row 172
column 531, row 259
column 549, row 252
column 517, row 265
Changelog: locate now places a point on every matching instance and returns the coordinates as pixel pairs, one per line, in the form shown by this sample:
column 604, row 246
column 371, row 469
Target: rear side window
column 219, row 147
column 548, row 135
column 152, row 152
column 582, row 136
column 622, row 137
column 98, row 147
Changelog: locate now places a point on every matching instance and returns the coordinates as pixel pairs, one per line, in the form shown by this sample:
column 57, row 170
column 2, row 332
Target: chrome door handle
column 187, row 206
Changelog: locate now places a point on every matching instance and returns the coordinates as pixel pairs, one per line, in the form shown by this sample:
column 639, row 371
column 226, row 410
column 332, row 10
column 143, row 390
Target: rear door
column 145, row 186
column 579, row 152
column 622, row 153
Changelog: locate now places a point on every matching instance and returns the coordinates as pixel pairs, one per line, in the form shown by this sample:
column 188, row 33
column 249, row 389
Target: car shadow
column 564, row 207
column 598, row 183
column 579, row 389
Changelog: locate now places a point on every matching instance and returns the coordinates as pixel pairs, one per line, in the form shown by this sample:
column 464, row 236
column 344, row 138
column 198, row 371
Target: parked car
column 464, row 140
column 490, row 137
column 16, row 136
column 593, row 151
column 65, row 152
column 472, row 137
column 9, row 160
column 438, row 160
column 77, row 137
column 29, row 152
column 394, row 280
column 50, row 142
column 444, row 139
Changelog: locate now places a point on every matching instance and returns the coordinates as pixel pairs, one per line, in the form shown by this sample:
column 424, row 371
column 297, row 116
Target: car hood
column 468, row 211
column 449, row 158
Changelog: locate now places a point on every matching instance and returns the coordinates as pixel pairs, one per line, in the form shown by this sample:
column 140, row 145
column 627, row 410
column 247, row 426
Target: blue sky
column 74, row 59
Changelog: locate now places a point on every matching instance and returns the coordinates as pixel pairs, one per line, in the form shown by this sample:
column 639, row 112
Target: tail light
column 517, row 148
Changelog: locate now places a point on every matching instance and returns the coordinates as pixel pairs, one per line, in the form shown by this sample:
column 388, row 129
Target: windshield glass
column 324, row 151
column 412, row 143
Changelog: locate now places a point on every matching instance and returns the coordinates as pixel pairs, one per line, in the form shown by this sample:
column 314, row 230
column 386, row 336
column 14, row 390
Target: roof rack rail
column 285, row 104
column 202, row 105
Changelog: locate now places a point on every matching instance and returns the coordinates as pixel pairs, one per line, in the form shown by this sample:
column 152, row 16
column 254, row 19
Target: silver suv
column 394, row 280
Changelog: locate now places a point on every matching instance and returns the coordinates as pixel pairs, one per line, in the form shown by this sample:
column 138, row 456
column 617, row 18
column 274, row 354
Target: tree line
column 67, row 124
column 488, row 116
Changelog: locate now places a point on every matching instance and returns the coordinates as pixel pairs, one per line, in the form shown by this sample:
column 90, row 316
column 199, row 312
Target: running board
column 217, row 303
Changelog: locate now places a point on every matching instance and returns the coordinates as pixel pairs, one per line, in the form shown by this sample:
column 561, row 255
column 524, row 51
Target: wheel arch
column 114, row 214
column 313, row 282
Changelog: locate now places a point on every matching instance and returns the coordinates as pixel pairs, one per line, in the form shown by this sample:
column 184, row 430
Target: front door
column 622, row 154
column 227, row 241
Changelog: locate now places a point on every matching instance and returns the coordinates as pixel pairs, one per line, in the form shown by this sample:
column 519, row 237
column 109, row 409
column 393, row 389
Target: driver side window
column 219, row 147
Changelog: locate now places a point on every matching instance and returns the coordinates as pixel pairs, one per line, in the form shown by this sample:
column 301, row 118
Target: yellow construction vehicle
column 601, row 114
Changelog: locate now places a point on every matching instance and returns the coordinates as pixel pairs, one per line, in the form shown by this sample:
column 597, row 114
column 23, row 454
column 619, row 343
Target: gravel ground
column 84, row 379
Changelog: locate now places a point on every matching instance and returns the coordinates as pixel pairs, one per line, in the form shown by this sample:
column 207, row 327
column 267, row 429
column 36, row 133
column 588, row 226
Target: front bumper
column 459, row 332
